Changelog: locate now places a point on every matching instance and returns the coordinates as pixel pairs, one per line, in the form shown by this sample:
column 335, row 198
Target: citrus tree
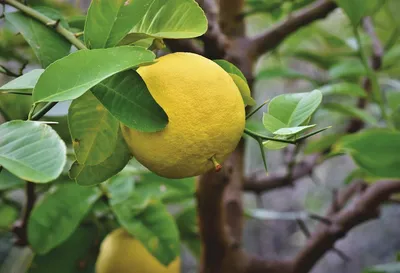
column 160, row 106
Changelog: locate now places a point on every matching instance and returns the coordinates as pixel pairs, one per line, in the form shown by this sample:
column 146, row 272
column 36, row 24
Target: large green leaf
column 126, row 96
column 58, row 214
column 350, row 110
column 73, row 75
column 294, row 109
column 107, row 22
column 92, row 175
column 47, row 44
column 150, row 222
column 31, row 150
column 94, row 130
column 174, row 19
column 343, row 88
column 25, row 83
column 77, row 254
column 376, row 151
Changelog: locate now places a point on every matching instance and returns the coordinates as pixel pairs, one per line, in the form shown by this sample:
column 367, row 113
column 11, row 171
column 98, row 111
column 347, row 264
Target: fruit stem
column 217, row 166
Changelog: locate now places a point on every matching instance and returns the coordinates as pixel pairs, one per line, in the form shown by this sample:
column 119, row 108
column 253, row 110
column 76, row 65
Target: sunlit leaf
column 31, row 150
column 72, row 76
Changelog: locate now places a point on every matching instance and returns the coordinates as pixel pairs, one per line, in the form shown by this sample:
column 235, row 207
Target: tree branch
column 20, row 227
column 260, row 181
column 47, row 21
column 214, row 40
column 184, row 45
column 210, row 211
column 365, row 208
column 277, row 33
column 231, row 21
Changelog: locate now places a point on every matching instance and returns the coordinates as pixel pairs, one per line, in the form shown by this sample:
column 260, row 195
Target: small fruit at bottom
column 122, row 253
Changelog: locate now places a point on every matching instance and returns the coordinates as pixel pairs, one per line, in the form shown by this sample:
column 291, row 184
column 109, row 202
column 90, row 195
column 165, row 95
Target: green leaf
column 47, row 44
column 294, row 109
column 14, row 106
column 281, row 72
column 357, row 9
column 58, row 214
column 94, row 130
column 168, row 190
column 361, row 174
column 150, row 222
column 396, row 118
column 348, row 69
column 271, row 123
column 92, row 175
column 376, row 151
column 72, row 76
column 293, row 130
column 24, row 83
column 31, row 150
column 173, row 19
column 244, row 90
column 230, row 68
column 107, row 22
column 9, row 181
column 77, row 254
column 189, row 230
column 350, row 110
column 239, row 79
column 384, row 268
column 320, row 59
column 393, row 99
column 121, row 186
column 392, row 57
column 343, row 88
column 321, row 144
column 8, row 216
column 127, row 98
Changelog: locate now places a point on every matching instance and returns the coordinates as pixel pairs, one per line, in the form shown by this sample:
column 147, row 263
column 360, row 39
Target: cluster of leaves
column 339, row 57
column 98, row 75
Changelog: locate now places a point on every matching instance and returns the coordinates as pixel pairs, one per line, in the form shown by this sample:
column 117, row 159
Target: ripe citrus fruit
column 206, row 116
column 122, row 253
